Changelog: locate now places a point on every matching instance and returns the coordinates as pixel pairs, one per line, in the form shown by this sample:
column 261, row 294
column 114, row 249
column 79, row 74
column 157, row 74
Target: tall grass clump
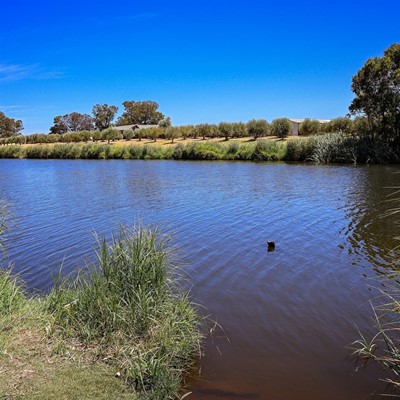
column 12, row 152
column 245, row 151
column 204, row 151
column 38, row 152
column 130, row 307
column 12, row 297
column 66, row 151
column 267, row 150
column 333, row 147
column 157, row 152
column 384, row 345
column 92, row 151
column 11, row 293
column 135, row 152
column 300, row 149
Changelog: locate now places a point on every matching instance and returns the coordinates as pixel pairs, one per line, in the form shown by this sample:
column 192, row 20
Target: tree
column 73, row 122
column 103, row 116
column 239, row 129
column 140, row 112
column 258, row 128
column 165, row 123
column 225, row 129
column 80, row 122
column 281, row 127
column 360, row 126
column 9, row 126
column 153, row 133
column 309, row 127
column 128, row 134
column 171, row 133
column 110, row 134
column 60, row 126
column 377, row 89
column 342, row 125
column 186, row 130
column 203, row 130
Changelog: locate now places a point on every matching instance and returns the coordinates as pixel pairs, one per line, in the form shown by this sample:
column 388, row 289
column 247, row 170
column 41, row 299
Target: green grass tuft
column 125, row 313
column 128, row 306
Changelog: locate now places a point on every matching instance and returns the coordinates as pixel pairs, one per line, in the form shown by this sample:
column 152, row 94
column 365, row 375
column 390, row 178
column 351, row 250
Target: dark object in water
column 271, row 246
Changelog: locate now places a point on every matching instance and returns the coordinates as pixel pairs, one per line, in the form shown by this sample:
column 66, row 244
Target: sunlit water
column 287, row 315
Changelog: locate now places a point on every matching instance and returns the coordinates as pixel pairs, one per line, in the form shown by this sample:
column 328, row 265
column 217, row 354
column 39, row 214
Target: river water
column 287, row 315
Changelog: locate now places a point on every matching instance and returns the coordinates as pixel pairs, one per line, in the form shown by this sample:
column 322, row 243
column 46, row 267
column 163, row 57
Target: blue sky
column 207, row 61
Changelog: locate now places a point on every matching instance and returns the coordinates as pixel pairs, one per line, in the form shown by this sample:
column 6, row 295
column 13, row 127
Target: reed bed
column 323, row 149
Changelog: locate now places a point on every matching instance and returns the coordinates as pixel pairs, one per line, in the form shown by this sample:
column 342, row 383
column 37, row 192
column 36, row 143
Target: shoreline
column 320, row 149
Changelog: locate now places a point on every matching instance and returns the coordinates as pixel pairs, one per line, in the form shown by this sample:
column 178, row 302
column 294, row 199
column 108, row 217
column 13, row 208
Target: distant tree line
column 374, row 112
column 255, row 128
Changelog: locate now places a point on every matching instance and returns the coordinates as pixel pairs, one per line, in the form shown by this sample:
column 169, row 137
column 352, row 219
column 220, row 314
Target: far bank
column 328, row 148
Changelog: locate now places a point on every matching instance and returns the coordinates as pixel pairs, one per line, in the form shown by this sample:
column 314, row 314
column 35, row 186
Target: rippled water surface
column 288, row 315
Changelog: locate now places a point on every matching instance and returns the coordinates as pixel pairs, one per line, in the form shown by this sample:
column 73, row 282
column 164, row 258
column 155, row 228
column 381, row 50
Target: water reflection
column 370, row 233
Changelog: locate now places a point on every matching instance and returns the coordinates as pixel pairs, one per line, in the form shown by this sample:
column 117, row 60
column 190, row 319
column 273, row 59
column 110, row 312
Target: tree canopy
column 281, row 127
column 258, row 128
column 73, row 122
column 9, row 126
column 309, row 127
column 377, row 89
column 140, row 112
column 103, row 115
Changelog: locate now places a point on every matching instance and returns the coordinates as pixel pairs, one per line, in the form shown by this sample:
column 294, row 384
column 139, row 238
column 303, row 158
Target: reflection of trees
column 371, row 233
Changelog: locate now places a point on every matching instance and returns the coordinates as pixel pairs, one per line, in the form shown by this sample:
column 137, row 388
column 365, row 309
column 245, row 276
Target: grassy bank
column 124, row 316
column 328, row 148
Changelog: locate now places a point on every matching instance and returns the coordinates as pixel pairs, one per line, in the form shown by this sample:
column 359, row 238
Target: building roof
column 146, row 126
column 322, row 121
column 125, row 127
column 133, row 127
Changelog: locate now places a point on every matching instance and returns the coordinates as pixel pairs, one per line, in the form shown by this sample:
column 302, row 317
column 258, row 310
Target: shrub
column 225, row 129
column 12, row 152
column 128, row 134
column 258, row 128
column 267, row 150
column 118, row 152
column 178, row 152
column 299, row 149
column 309, row 127
column 38, row 151
column 135, row 152
column 110, row 134
column 65, row 151
column 11, row 293
column 281, row 127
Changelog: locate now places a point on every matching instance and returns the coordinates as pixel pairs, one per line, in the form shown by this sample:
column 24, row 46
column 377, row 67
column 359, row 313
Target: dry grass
column 167, row 142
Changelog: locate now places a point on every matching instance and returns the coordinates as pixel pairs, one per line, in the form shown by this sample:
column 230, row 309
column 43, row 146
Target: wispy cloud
column 25, row 107
column 17, row 72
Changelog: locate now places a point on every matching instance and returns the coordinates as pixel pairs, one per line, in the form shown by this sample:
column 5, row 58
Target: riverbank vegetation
column 327, row 148
column 122, row 329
